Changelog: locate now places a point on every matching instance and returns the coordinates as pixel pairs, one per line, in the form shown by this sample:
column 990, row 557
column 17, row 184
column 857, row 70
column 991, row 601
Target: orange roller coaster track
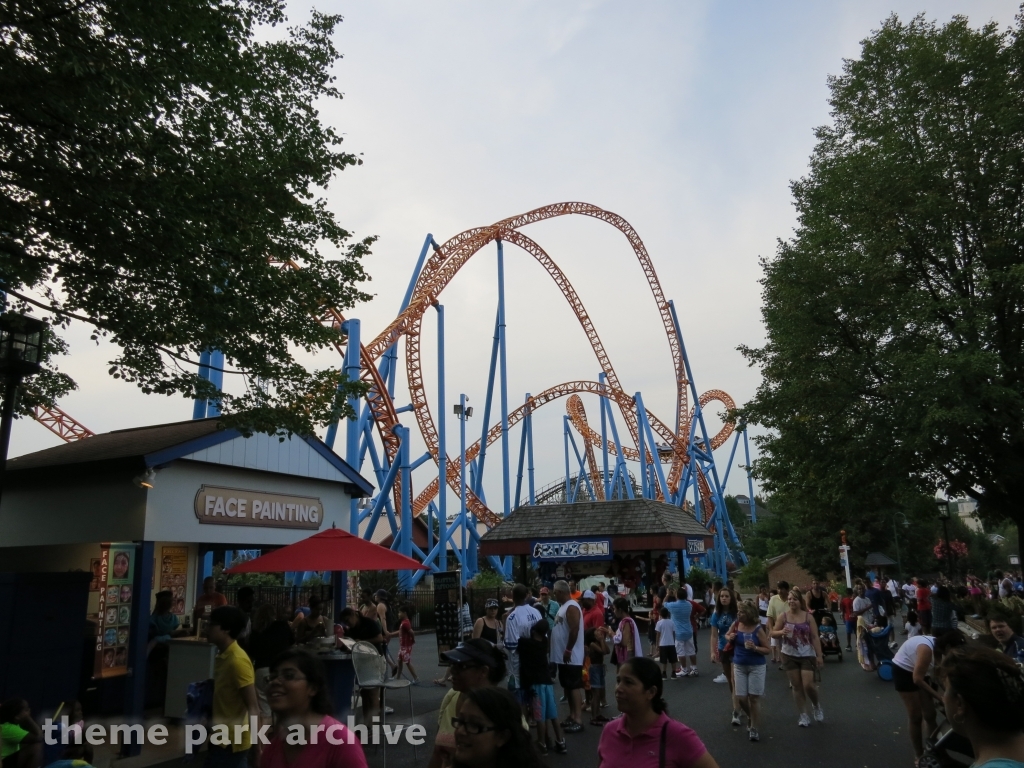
column 677, row 445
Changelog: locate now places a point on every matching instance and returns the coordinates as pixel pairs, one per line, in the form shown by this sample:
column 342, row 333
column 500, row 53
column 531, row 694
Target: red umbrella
column 330, row 550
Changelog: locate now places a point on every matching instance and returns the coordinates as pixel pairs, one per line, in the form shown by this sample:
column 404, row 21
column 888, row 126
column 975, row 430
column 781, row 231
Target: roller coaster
column 676, row 463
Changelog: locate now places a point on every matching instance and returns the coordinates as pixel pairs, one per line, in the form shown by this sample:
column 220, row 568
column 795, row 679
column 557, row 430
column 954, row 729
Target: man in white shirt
column 518, row 624
column 687, row 587
column 909, row 591
column 567, row 653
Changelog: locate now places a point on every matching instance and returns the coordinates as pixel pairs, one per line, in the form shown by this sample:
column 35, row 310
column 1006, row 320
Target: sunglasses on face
column 471, row 727
column 287, row 675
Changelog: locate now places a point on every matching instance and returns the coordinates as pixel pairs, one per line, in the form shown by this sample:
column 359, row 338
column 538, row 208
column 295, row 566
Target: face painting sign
column 116, row 571
column 237, row 506
column 575, row 549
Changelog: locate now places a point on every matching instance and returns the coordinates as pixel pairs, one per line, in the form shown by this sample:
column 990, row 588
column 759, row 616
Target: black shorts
column 570, row 676
column 904, row 680
column 667, row 654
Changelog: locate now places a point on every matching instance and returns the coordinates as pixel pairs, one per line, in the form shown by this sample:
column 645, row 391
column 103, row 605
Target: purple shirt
column 617, row 748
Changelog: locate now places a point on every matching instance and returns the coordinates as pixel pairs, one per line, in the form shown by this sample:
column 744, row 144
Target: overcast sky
column 687, row 119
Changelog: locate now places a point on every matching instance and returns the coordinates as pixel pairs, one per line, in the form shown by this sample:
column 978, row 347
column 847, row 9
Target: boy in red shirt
column 846, row 607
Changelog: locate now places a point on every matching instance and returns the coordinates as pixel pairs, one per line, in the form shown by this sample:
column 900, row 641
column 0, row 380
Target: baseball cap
column 491, row 603
column 468, row 653
column 545, row 591
column 589, row 593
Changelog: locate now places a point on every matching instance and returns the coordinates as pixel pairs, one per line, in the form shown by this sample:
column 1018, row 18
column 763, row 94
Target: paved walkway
column 864, row 728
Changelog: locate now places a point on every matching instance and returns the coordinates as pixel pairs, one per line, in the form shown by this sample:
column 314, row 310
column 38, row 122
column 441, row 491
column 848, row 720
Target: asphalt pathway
column 865, row 724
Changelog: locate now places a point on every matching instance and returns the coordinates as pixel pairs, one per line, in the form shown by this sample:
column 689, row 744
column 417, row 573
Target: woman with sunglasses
column 477, row 663
column 297, row 693
column 489, row 732
column 645, row 736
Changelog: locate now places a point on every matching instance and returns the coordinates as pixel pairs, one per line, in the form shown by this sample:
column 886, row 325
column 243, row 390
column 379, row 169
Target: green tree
column 894, row 362
column 158, row 163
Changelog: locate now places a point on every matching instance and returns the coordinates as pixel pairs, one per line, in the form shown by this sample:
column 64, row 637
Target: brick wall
column 787, row 569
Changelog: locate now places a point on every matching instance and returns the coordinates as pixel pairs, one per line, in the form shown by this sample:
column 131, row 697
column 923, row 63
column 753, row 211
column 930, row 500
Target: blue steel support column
column 352, row 435
column 405, row 530
column 565, row 440
column 732, row 456
column 620, row 461
column 716, row 487
column 750, row 477
column 442, row 444
column 604, row 447
column 519, row 469
column 478, row 472
column 199, row 406
column 462, row 482
column 645, row 485
column 135, row 684
column 528, row 426
column 504, row 382
column 645, row 427
column 217, row 379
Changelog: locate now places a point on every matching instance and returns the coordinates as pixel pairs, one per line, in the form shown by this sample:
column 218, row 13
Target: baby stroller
column 830, row 645
column 878, row 639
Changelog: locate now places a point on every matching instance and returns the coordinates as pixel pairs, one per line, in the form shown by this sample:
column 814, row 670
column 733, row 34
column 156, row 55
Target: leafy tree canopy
column 894, row 362
column 158, row 163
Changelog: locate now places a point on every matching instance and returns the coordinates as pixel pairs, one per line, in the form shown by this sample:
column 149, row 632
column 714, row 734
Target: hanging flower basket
column 956, row 548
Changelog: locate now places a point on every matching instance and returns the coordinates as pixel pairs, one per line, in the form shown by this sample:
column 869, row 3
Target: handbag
column 731, row 645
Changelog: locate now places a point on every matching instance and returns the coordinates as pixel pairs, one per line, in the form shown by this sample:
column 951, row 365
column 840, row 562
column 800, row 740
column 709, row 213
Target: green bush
column 699, row 579
column 754, row 573
column 488, row 580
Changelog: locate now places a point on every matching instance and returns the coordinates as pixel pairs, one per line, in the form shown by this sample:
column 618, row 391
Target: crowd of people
column 503, row 708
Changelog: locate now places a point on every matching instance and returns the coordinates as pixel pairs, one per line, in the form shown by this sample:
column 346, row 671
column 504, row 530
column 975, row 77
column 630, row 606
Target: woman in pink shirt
column 645, row 736
column 297, row 694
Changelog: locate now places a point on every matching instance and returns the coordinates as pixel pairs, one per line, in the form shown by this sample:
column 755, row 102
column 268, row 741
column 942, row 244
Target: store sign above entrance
column 576, row 549
column 236, row 506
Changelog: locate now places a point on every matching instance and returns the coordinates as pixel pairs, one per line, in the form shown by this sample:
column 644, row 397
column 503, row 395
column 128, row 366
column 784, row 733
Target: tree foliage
column 155, row 160
column 894, row 362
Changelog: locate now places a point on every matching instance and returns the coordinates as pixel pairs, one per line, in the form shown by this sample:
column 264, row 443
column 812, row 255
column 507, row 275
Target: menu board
column 173, row 575
column 447, row 604
column 117, row 568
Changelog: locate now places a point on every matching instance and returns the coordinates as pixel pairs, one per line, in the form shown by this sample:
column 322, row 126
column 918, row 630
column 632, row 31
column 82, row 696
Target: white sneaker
column 819, row 716
column 736, row 718
column 693, row 672
column 721, row 679
column 753, row 734
column 804, row 721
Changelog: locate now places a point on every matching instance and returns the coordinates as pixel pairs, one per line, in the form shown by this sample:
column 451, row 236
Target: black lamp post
column 943, row 505
column 21, row 349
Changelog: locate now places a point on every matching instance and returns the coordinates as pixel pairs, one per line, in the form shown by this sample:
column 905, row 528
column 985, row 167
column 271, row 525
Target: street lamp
column 896, row 538
column 943, row 505
column 21, row 349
